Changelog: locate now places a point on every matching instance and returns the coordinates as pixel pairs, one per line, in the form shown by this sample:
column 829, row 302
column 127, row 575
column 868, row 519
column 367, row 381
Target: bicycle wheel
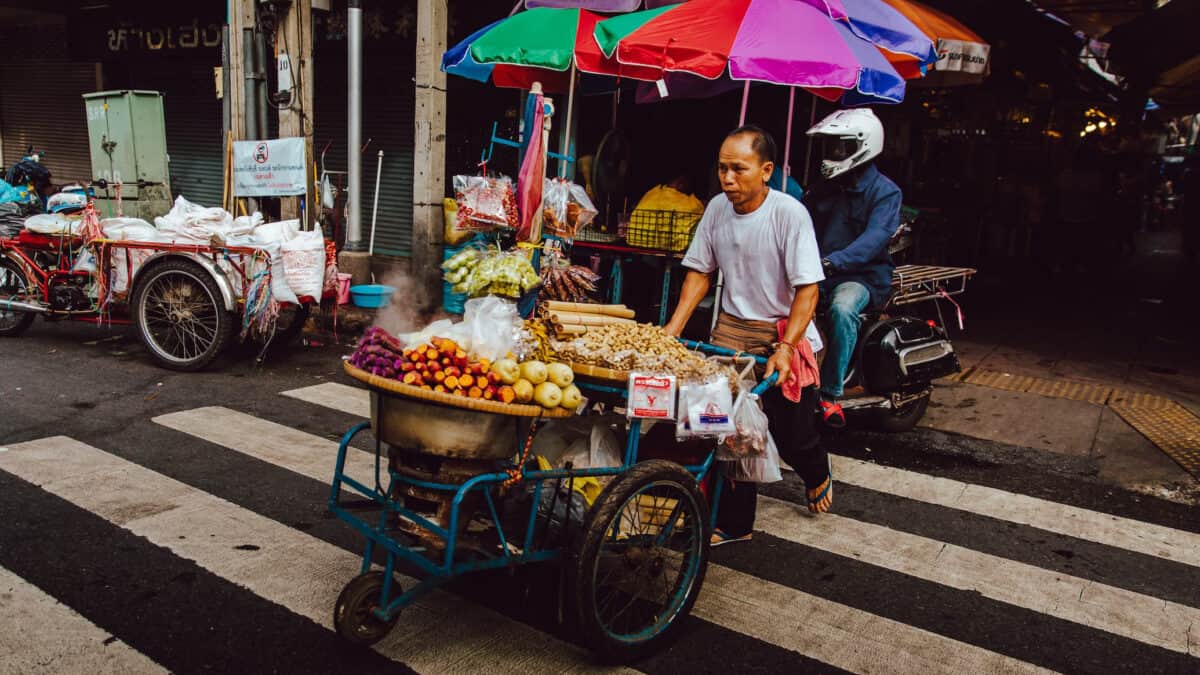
column 641, row 560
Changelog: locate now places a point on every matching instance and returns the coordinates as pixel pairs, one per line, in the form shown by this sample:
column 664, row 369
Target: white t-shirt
column 764, row 255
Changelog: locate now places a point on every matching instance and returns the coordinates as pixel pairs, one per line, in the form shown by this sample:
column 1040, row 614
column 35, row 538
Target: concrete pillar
column 294, row 35
column 429, row 150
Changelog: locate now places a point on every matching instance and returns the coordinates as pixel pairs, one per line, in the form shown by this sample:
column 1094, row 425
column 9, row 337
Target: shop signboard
column 962, row 57
column 274, row 168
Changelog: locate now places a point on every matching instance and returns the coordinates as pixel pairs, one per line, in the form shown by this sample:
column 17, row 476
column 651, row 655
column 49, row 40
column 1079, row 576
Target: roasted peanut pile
column 641, row 347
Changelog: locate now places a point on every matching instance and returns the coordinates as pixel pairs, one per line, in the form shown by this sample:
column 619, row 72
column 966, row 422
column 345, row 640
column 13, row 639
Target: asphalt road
column 156, row 521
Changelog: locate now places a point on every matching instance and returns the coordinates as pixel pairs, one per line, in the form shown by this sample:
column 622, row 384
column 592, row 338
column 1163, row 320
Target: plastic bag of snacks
column 753, row 430
column 485, row 202
column 565, row 208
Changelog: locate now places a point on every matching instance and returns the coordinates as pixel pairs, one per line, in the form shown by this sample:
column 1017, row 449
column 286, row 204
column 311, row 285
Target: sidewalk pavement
column 1100, row 338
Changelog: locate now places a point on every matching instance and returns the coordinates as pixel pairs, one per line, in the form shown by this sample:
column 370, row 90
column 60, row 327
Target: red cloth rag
column 804, row 367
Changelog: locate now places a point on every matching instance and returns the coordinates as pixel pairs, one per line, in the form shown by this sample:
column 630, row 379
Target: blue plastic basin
column 372, row 295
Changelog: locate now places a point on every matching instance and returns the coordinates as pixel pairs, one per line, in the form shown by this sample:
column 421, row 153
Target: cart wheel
column 640, row 561
column 352, row 615
column 13, row 285
column 180, row 315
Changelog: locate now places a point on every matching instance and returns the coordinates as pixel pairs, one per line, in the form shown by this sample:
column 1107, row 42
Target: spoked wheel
column 353, row 617
column 180, row 315
column 13, row 285
column 641, row 560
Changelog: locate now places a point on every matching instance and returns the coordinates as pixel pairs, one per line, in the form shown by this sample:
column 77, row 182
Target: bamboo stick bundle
column 586, row 319
column 620, row 311
column 570, row 329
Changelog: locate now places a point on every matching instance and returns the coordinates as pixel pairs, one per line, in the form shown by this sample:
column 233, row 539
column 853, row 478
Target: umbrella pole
column 565, row 138
column 787, row 143
column 745, row 101
column 812, row 119
column 721, row 276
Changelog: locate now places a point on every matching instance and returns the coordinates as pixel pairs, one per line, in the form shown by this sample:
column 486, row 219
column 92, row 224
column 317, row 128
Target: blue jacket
column 854, row 221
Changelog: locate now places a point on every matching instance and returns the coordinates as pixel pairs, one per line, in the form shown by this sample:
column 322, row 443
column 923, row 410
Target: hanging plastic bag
column 304, row 264
column 566, row 208
column 710, row 407
column 492, row 326
column 764, row 469
column 485, row 202
column 752, row 433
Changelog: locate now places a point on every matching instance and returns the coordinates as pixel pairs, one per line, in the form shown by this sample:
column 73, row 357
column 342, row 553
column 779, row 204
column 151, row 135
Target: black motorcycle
column 898, row 356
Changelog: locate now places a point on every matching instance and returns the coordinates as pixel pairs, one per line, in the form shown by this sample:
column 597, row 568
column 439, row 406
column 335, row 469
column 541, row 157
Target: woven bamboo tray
column 496, row 407
column 600, row 373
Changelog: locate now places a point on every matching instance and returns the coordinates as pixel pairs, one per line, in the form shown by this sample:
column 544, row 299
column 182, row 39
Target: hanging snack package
column 485, row 202
column 710, row 407
column 566, row 208
column 651, row 396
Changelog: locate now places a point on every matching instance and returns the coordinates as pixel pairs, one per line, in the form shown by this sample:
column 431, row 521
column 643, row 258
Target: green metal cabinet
column 128, row 143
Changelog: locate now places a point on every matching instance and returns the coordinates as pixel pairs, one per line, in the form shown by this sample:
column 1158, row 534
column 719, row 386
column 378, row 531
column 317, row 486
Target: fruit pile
column 550, row 385
column 442, row 365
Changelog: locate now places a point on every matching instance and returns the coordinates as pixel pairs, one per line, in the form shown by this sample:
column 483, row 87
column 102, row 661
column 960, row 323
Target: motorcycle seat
column 47, row 242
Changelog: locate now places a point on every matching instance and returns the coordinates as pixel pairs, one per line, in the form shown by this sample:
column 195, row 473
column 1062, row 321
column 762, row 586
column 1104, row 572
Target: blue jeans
column 846, row 303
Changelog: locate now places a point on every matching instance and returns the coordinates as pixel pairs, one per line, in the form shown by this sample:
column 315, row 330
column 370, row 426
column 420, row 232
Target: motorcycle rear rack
column 918, row 283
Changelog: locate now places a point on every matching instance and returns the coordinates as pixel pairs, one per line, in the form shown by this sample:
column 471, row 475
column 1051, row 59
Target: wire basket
column 661, row 230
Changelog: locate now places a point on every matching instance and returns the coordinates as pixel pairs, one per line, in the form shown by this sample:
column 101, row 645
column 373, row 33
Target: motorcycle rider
column 855, row 211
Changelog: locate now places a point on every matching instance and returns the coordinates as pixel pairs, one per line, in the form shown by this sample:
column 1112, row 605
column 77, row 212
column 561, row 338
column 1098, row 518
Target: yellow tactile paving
column 1174, row 429
column 1076, row 391
column 995, row 380
column 1138, row 399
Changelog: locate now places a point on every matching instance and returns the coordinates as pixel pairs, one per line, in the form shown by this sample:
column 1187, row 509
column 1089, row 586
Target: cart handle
column 721, row 351
column 759, row 389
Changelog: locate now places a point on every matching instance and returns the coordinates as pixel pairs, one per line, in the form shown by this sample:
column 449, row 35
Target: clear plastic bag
column 764, row 469
column 492, row 326
column 753, row 433
column 485, row 202
column 566, row 208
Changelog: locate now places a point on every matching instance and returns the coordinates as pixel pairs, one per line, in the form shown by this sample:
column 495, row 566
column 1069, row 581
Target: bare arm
column 695, row 287
column 804, row 305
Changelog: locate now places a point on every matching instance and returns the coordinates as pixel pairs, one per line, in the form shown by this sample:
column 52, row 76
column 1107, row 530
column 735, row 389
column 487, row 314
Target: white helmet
column 854, row 137
column 64, row 202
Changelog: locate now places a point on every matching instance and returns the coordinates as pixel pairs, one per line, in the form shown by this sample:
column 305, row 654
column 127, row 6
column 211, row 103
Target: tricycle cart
column 455, row 500
column 186, row 301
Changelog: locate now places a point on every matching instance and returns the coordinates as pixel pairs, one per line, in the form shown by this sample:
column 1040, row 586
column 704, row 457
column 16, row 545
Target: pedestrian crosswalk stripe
column 1132, row 535
column 1102, row 528
column 842, row 636
column 1126, row 613
column 440, row 633
column 352, row 400
column 41, row 634
column 731, row 599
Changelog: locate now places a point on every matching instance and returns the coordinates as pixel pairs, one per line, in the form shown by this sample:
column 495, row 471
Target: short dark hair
column 763, row 144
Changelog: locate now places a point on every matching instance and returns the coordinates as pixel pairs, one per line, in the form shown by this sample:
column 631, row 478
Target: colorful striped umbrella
column 906, row 46
column 538, row 45
column 963, row 56
column 753, row 40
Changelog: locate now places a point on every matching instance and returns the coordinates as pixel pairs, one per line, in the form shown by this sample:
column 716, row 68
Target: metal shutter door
column 193, row 122
column 42, row 106
column 388, row 105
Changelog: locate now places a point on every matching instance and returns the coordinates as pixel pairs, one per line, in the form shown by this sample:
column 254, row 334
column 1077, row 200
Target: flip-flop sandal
column 826, row 493
column 719, row 538
column 819, row 504
column 833, row 415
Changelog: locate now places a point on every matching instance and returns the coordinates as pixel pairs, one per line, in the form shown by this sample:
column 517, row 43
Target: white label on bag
column 662, row 88
column 651, row 396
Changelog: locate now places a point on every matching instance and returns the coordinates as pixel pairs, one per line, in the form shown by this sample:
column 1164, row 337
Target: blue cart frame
column 437, row 572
